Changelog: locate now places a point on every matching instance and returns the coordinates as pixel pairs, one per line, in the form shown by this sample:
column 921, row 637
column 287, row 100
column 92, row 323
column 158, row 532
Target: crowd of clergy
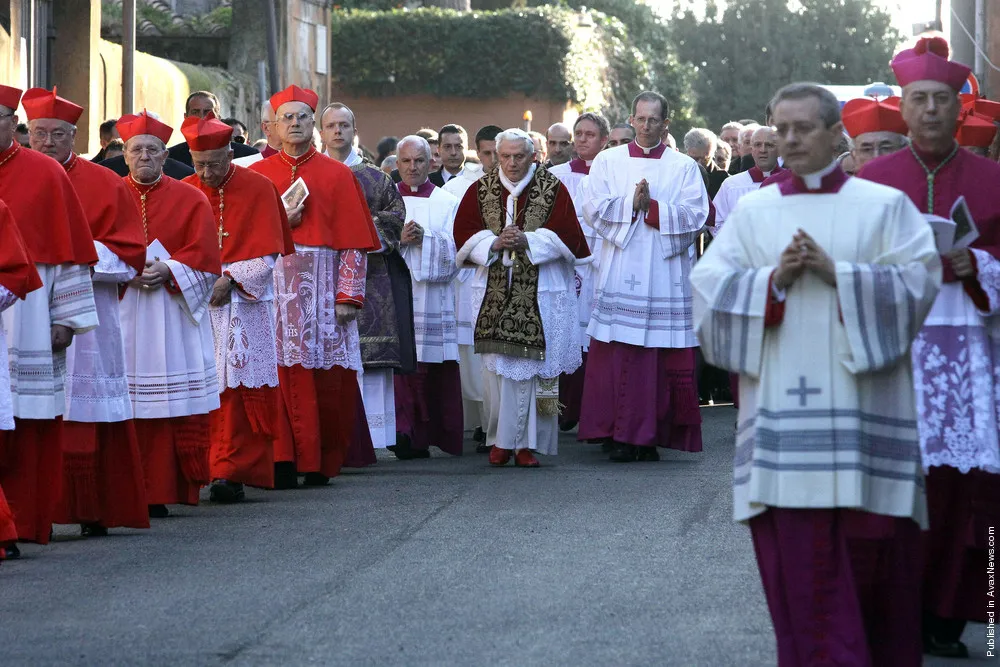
column 221, row 317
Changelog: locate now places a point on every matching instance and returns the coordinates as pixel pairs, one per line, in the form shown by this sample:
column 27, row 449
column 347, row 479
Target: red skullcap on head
column 928, row 61
column 294, row 94
column 206, row 134
column 864, row 115
column 132, row 125
column 41, row 103
column 10, row 96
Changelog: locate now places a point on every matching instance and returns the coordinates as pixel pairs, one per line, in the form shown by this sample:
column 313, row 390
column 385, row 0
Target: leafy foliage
column 538, row 52
column 156, row 19
column 757, row 46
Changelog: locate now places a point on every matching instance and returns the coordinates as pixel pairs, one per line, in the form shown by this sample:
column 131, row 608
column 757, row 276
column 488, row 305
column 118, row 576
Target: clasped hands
column 961, row 262
column 641, row 198
column 413, row 234
column 155, row 275
column 510, row 238
column 802, row 254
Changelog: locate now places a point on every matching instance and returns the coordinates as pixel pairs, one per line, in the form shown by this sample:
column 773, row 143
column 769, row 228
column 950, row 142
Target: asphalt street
column 440, row 562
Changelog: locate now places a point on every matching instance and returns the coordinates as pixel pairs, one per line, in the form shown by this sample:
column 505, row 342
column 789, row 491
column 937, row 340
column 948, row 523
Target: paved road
column 435, row 562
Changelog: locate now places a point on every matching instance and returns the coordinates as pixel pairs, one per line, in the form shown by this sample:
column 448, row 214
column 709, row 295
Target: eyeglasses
column 151, row 151
column 42, row 135
column 289, row 118
column 6, row 115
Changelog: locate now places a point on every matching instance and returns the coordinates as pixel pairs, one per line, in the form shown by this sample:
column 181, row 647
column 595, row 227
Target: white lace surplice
column 557, row 304
column 169, row 349
column 96, row 383
column 37, row 375
column 307, row 285
column 956, row 373
column 245, row 352
column 7, row 299
column 432, row 272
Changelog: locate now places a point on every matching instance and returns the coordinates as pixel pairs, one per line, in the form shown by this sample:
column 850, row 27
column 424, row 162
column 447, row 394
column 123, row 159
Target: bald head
column 559, row 143
column 764, row 148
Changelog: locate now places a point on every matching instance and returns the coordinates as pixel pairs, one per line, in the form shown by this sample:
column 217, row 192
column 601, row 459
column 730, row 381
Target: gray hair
column 266, row 112
column 415, row 139
column 722, row 161
column 514, row 134
column 597, row 119
column 829, row 107
column 700, row 137
column 749, row 129
column 732, row 125
column 389, row 161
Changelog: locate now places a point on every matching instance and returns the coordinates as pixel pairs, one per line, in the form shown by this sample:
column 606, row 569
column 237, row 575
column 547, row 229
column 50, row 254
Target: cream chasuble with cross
column 827, row 416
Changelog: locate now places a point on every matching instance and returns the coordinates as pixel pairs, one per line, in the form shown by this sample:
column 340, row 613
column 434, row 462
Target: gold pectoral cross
column 222, row 207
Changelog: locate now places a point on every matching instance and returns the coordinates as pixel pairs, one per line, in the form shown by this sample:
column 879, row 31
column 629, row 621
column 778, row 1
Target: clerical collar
column 139, row 185
column 932, row 160
column 828, row 180
column 758, row 175
column 353, row 159
column 578, row 166
column 9, row 152
column 424, row 190
column 70, row 162
column 297, row 161
column 655, row 153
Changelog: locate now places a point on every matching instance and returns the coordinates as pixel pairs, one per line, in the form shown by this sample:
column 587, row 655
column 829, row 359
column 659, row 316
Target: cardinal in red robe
column 319, row 291
column 253, row 232
column 102, row 485
column 18, row 276
column 54, row 226
column 169, row 348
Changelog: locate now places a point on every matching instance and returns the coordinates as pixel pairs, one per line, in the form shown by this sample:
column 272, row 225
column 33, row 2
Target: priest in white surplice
column 813, row 295
column 649, row 204
column 428, row 402
column 470, row 364
column 518, row 224
column 764, row 149
column 590, row 135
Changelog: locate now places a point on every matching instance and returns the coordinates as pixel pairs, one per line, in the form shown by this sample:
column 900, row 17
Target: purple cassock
column 956, row 366
column 385, row 325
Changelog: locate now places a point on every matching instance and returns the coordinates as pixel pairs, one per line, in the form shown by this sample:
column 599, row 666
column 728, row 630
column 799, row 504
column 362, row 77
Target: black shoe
column 224, row 491
column 158, row 512
column 568, row 425
column 607, row 445
column 93, row 530
column 938, row 649
column 622, row 453
column 647, row 454
column 13, row 553
column 285, row 476
column 480, row 436
column 315, row 479
column 420, row 453
column 483, row 449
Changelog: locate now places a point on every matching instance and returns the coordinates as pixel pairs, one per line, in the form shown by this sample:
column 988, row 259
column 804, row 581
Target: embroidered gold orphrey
column 509, row 320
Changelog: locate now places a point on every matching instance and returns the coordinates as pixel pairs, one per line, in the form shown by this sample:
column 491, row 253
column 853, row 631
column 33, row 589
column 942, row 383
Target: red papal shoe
column 525, row 459
column 499, row 457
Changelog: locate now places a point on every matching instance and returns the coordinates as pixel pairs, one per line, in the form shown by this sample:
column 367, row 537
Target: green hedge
column 540, row 52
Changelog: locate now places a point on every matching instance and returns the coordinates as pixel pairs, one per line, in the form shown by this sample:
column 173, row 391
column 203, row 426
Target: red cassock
column 52, row 222
column 102, row 476
column 248, row 209
column 175, row 450
column 320, row 405
column 18, row 276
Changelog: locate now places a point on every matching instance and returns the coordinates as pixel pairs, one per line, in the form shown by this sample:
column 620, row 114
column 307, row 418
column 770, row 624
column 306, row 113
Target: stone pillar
column 76, row 65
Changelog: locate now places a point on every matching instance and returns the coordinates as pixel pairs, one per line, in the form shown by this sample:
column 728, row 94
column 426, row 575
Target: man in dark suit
column 200, row 103
column 699, row 144
column 452, row 142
